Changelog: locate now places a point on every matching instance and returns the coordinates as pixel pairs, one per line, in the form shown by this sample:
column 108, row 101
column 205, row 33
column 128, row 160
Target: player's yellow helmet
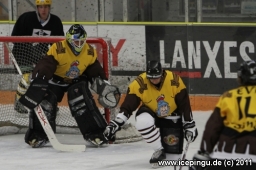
column 43, row 2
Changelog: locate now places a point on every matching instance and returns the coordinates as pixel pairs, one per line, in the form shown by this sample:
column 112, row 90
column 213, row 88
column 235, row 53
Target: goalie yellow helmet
column 43, row 2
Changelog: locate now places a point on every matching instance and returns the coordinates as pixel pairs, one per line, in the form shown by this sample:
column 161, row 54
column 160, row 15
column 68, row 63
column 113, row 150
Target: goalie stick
column 52, row 137
column 15, row 62
column 23, row 79
column 44, row 121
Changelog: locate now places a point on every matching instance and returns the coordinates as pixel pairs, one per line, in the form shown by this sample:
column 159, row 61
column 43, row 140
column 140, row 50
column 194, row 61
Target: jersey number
column 245, row 109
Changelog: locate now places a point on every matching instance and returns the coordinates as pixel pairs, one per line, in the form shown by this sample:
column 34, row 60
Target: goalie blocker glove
column 114, row 126
column 35, row 93
column 190, row 131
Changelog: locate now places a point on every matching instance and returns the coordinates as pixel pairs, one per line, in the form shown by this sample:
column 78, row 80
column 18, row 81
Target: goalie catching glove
column 109, row 95
column 21, row 90
column 114, row 126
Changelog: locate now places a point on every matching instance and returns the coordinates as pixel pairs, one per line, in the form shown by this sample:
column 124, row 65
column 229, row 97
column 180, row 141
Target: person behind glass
column 34, row 23
column 230, row 132
column 165, row 116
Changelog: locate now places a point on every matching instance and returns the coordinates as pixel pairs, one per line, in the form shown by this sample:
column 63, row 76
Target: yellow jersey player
column 67, row 67
column 230, row 132
column 164, row 114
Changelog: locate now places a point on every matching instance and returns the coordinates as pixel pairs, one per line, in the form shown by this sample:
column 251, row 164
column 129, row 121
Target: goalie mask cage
column 13, row 122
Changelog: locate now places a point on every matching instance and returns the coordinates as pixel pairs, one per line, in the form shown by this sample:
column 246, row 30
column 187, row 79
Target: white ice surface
column 17, row 155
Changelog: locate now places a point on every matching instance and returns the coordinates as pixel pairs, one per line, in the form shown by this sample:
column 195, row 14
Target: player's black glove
column 190, row 131
column 114, row 126
column 35, row 93
column 200, row 156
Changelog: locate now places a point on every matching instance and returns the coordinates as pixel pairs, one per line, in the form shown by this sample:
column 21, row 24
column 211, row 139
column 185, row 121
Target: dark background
column 170, row 34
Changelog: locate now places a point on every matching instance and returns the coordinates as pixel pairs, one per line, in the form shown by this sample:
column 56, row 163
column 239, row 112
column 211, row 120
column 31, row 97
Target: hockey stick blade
column 52, row 137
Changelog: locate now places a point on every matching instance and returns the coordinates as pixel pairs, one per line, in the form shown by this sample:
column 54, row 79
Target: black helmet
column 154, row 69
column 247, row 73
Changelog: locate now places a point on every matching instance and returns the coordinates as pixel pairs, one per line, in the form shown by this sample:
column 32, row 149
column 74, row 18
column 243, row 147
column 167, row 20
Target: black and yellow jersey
column 61, row 63
column 69, row 65
column 171, row 95
column 237, row 107
column 230, row 131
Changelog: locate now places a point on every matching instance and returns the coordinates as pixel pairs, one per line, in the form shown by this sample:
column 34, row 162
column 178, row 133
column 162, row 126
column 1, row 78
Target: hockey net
column 13, row 122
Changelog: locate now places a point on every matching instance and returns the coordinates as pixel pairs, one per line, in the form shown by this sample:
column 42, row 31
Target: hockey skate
column 95, row 139
column 158, row 155
column 36, row 140
column 38, row 143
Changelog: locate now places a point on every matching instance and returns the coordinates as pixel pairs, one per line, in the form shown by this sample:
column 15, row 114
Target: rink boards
column 198, row 102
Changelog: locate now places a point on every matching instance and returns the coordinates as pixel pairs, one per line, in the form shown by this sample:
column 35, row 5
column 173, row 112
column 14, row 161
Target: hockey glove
column 35, row 93
column 200, row 156
column 21, row 90
column 114, row 126
column 109, row 95
column 190, row 131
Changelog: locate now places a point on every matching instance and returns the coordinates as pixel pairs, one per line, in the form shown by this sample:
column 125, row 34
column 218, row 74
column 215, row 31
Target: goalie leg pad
column 171, row 135
column 49, row 105
column 87, row 115
column 35, row 134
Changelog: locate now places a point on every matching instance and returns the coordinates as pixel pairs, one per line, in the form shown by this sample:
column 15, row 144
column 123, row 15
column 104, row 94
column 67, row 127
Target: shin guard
column 171, row 135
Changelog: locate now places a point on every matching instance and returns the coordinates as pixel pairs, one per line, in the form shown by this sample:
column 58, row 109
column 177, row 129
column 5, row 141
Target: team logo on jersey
column 171, row 140
column 73, row 72
column 163, row 107
column 41, row 32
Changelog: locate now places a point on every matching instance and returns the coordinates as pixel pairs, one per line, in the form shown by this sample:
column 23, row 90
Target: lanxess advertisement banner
column 206, row 57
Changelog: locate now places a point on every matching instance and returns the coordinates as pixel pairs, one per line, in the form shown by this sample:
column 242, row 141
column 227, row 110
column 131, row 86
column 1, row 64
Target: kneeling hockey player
column 68, row 67
column 165, row 105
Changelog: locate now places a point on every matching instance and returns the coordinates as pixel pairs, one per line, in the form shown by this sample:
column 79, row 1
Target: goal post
column 11, row 121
